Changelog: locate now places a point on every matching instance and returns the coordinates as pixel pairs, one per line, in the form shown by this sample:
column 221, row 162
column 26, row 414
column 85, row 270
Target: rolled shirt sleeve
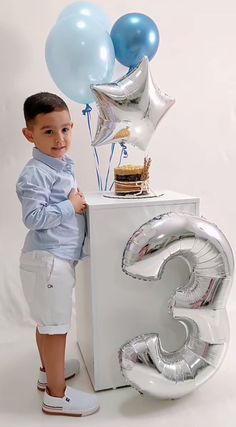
column 33, row 189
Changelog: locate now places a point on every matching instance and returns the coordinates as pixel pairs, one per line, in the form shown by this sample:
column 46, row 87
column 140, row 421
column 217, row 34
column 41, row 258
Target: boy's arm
column 33, row 189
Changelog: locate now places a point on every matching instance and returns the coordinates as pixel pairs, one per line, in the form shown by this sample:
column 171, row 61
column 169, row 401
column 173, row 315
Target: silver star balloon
column 129, row 108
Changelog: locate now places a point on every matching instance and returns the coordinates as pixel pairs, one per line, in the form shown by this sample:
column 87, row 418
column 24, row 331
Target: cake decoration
column 132, row 179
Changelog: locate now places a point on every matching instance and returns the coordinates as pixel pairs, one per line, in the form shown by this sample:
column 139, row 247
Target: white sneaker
column 74, row 403
column 71, row 369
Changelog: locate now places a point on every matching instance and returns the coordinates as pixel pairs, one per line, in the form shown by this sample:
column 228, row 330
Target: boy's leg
column 40, row 344
column 52, row 353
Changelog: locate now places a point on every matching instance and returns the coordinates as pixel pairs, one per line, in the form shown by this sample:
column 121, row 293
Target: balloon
column 79, row 53
column 134, row 36
column 89, row 10
column 129, row 108
column 199, row 305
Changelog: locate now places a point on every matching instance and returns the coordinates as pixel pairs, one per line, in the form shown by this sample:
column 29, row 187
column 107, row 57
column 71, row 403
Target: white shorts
column 48, row 283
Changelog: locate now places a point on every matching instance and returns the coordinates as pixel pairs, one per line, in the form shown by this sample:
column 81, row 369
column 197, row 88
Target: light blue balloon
column 88, row 10
column 134, row 36
column 79, row 53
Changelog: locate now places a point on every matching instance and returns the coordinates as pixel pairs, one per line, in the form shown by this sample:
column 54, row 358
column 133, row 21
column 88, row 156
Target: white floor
column 214, row 404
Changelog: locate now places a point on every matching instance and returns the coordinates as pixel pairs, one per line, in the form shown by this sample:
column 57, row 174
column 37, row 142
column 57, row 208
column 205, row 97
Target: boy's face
column 51, row 133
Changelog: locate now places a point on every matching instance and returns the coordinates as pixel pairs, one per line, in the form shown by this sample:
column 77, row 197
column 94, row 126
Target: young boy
column 52, row 210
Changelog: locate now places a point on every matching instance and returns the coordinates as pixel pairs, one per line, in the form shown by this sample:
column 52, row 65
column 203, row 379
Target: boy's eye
column 65, row 130
column 49, row 132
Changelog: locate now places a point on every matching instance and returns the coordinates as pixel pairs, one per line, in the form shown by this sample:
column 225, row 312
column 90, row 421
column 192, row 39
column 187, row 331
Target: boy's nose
column 59, row 139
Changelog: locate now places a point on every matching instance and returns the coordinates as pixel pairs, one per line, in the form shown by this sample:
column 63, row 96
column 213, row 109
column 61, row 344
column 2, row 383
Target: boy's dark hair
column 42, row 103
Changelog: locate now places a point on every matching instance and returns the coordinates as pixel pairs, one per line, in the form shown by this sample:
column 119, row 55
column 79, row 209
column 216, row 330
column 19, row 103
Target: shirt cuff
column 66, row 208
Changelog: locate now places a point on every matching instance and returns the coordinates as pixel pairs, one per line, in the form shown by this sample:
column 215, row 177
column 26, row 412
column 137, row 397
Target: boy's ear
column 28, row 134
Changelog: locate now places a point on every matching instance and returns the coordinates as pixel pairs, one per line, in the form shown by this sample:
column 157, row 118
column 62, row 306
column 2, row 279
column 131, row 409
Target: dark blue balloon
column 134, row 36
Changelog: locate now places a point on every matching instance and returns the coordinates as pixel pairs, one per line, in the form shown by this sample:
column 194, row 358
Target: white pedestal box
column 111, row 307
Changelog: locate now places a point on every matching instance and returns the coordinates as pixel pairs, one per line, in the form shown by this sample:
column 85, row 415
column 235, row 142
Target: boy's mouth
column 59, row 148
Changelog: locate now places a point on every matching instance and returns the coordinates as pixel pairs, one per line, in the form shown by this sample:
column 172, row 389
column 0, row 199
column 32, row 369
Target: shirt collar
column 52, row 162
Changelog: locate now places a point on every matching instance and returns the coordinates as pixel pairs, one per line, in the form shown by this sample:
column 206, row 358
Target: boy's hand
column 78, row 201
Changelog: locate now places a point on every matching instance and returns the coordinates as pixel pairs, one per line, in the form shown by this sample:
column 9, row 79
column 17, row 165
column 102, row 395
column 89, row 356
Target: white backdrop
column 194, row 147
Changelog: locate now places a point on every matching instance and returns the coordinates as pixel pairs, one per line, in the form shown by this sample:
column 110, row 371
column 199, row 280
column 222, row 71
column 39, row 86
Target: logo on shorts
column 50, row 286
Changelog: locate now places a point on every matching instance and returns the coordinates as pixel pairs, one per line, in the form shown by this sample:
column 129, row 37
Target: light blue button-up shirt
column 43, row 188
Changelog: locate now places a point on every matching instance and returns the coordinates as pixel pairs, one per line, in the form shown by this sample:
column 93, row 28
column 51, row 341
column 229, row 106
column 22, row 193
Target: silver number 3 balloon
column 199, row 305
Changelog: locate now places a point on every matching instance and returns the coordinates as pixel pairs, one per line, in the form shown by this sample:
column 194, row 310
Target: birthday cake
column 131, row 179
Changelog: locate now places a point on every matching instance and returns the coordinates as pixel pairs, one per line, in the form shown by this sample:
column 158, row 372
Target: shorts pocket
column 59, row 292
column 50, row 263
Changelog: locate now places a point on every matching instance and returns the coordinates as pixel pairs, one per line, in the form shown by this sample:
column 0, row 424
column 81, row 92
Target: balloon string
column 87, row 111
column 109, row 165
column 123, row 154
